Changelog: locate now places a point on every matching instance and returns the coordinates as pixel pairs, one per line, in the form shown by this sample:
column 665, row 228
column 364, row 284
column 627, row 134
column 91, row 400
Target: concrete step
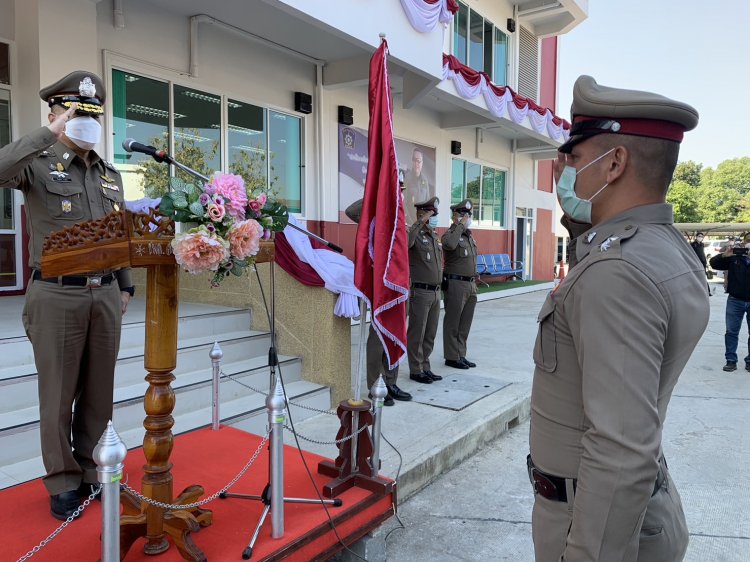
column 244, row 411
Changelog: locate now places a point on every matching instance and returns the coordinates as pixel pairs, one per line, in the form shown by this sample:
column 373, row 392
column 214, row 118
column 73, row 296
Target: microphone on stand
column 131, row 145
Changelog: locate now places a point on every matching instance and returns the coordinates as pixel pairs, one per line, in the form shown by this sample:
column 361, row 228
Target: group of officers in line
column 427, row 254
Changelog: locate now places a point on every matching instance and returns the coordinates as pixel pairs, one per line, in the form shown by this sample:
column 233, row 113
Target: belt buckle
column 94, row 282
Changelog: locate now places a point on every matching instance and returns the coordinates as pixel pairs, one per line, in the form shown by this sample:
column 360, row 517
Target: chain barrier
column 209, row 499
column 259, row 391
column 336, row 442
column 64, row 524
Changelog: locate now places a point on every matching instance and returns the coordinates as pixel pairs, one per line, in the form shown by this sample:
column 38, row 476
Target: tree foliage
column 700, row 194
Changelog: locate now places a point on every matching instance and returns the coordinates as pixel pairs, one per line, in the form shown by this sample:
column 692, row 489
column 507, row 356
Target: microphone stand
column 272, row 495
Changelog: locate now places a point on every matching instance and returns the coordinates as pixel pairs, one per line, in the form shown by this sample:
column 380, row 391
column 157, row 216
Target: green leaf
column 166, row 207
column 192, row 191
column 182, row 216
column 179, row 200
column 197, row 209
column 176, row 184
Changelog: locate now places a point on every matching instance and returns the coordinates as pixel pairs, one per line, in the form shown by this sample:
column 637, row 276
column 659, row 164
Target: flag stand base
column 346, row 473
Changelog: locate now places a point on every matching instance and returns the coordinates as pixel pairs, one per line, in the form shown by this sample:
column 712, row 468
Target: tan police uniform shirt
column 425, row 254
column 613, row 339
column 58, row 189
column 460, row 251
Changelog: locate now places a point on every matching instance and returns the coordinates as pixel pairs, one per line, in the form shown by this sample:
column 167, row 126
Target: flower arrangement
column 229, row 224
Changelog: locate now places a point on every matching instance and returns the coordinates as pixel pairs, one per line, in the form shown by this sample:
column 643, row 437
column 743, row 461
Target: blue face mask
column 433, row 222
column 576, row 208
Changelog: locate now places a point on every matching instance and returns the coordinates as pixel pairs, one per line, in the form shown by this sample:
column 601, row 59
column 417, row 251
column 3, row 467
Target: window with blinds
column 528, row 64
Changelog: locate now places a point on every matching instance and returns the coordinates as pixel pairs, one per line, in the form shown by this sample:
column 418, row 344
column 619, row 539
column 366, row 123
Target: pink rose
column 244, row 238
column 262, row 198
column 197, row 251
column 255, row 206
column 231, row 188
column 216, row 212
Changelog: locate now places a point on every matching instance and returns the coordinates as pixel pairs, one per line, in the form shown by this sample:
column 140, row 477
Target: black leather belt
column 554, row 487
column 459, row 277
column 426, row 286
column 76, row 280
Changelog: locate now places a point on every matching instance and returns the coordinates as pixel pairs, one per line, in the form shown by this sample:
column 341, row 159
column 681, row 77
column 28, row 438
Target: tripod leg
column 248, row 552
column 336, row 502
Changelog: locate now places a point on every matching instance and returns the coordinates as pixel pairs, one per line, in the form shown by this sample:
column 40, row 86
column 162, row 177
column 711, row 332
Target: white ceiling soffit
column 551, row 17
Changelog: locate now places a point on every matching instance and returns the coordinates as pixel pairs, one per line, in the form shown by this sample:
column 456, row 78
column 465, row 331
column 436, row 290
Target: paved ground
column 480, row 510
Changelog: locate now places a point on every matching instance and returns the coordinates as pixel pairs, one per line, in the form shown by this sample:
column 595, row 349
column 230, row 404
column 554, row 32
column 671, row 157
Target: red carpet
column 210, row 459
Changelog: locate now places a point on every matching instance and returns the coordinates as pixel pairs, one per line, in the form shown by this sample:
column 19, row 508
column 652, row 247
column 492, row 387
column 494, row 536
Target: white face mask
column 85, row 132
column 468, row 222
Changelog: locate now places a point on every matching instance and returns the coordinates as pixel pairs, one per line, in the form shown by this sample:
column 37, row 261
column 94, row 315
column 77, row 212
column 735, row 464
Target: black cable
column 398, row 474
column 294, row 431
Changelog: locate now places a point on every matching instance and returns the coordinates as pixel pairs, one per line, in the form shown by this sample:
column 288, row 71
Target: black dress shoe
column 421, row 377
column 387, row 401
column 62, row 506
column 469, row 363
column 397, row 394
column 433, row 376
column 456, row 364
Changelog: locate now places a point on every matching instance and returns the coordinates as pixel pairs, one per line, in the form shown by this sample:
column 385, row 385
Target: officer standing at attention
column 426, row 272
column 614, row 337
column 73, row 321
column 377, row 361
column 461, row 292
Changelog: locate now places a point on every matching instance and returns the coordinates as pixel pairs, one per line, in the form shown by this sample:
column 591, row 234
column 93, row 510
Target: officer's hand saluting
column 57, row 125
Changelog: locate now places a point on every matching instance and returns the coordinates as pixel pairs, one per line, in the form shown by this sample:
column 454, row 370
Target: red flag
column 381, row 255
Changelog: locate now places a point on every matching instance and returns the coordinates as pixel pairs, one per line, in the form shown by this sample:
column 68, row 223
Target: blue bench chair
column 498, row 265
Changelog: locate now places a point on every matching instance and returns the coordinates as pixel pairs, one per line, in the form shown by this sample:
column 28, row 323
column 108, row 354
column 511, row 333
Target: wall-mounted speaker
column 302, row 102
column 456, row 147
column 346, row 115
column 511, row 25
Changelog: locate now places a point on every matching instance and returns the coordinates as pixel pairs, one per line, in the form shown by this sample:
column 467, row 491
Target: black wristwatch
column 128, row 290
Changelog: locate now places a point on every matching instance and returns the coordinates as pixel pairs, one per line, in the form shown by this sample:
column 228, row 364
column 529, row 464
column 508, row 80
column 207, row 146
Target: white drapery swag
column 335, row 270
column 505, row 107
column 424, row 16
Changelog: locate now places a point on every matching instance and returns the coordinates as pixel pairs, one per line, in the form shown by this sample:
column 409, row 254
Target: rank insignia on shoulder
column 110, row 165
column 66, row 206
column 607, row 243
column 590, row 237
column 66, row 156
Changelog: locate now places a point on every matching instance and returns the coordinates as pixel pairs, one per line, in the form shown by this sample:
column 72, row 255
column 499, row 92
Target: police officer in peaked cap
column 426, row 273
column 460, row 252
column 74, row 321
column 614, row 337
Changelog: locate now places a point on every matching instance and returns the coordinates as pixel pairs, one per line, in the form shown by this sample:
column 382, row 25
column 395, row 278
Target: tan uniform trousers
column 377, row 362
column 663, row 534
column 75, row 333
column 460, row 302
column 424, row 313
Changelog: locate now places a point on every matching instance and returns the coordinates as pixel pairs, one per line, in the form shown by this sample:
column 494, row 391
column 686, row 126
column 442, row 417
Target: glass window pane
column 499, row 205
column 488, row 34
column 247, row 144
column 4, row 117
column 140, row 110
column 473, row 172
column 4, row 64
column 460, row 31
column 285, row 159
column 476, row 41
column 6, row 211
column 197, row 131
column 458, row 187
column 501, row 58
column 488, row 194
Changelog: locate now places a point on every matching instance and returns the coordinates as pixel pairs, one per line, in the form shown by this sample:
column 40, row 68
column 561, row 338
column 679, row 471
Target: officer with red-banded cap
column 614, row 337
column 74, row 321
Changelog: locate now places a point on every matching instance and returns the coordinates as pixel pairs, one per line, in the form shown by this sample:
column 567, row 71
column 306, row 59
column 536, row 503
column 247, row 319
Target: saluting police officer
column 614, row 337
column 74, row 321
column 376, row 359
column 460, row 251
column 426, row 272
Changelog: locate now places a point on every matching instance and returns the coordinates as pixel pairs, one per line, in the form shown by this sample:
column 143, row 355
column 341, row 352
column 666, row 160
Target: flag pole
column 357, row 382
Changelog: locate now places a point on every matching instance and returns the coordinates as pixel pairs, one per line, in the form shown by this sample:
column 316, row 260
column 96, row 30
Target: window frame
column 172, row 77
column 488, row 224
column 16, row 197
column 466, row 59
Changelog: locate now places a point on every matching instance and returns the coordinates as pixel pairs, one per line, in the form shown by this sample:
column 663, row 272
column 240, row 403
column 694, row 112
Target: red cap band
column 653, row 128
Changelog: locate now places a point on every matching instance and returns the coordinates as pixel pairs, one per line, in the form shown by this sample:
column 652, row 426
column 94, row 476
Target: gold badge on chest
column 66, row 206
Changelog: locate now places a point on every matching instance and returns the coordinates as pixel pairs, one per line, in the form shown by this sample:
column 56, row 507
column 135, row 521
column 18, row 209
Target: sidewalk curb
column 465, row 444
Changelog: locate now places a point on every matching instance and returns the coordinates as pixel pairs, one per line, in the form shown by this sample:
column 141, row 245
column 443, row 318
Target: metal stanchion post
column 216, row 354
column 276, row 418
column 109, row 455
column 379, row 392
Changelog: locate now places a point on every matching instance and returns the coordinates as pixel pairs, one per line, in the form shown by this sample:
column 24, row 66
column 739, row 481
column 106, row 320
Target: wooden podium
column 125, row 239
